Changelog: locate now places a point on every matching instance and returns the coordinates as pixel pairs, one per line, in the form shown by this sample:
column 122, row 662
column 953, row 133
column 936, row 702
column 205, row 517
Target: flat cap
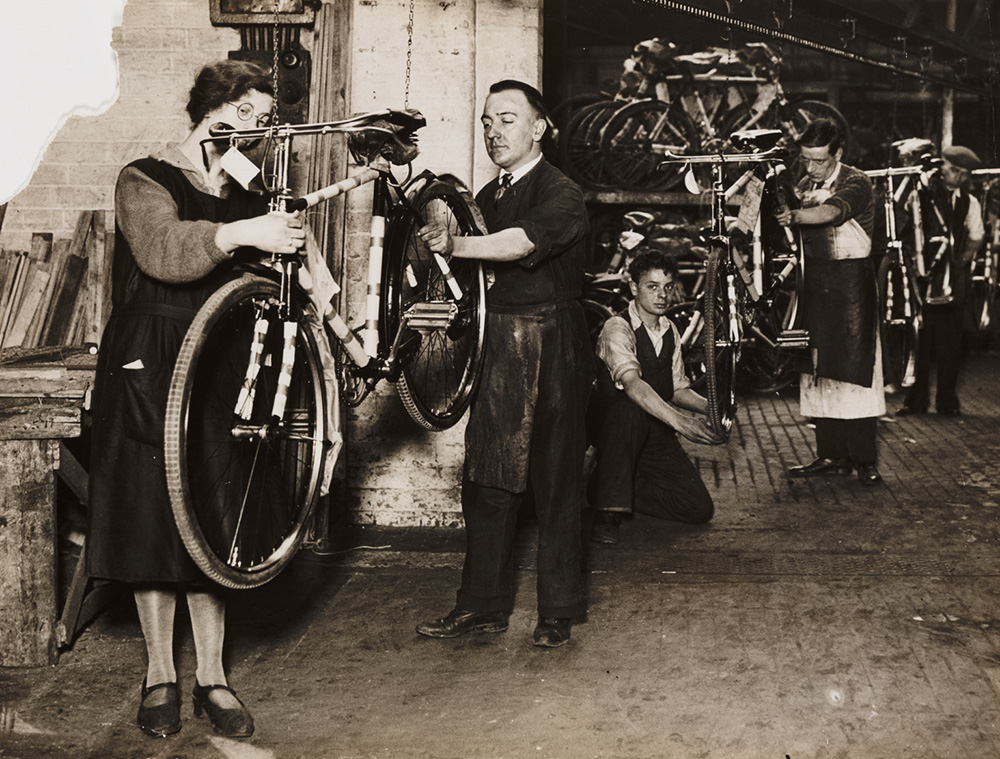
column 962, row 157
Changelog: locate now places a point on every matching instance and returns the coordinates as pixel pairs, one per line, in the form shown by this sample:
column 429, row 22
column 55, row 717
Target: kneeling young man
column 642, row 392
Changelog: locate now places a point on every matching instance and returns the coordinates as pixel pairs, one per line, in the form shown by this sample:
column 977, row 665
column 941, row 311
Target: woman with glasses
column 181, row 227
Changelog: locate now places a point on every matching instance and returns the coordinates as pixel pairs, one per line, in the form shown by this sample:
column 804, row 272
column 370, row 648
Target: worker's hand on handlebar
column 784, row 216
column 279, row 232
column 437, row 237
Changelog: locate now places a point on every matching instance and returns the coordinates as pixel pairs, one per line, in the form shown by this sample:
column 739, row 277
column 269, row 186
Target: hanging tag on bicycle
column 750, row 206
column 239, row 167
column 691, row 181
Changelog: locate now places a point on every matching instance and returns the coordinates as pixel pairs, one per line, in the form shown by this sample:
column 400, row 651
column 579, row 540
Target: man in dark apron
column 526, row 430
column 961, row 226
column 642, row 393
column 843, row 394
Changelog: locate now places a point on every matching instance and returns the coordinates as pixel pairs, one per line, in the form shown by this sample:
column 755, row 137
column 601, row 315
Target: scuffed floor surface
column 812, row 618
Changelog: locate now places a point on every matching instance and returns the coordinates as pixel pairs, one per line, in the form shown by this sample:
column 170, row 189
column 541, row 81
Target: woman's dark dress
column 132, row 536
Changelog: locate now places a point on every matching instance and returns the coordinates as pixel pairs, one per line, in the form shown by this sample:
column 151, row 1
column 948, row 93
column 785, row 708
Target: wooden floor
column 811, row 618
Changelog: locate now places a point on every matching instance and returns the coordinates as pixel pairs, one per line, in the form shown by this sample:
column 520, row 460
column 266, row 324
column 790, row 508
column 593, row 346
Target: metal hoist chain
column 409, row 55
column 274, row 66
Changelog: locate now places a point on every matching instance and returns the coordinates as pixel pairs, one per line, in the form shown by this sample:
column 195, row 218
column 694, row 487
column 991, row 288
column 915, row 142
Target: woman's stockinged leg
column 208, row 625
column 156, row 617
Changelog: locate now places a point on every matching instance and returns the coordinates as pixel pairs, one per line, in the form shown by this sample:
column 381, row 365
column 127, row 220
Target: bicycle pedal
column 436, row 315
column 794, row 338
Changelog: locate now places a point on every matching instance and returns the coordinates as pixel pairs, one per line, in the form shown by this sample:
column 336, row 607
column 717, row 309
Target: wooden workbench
column 43, row 393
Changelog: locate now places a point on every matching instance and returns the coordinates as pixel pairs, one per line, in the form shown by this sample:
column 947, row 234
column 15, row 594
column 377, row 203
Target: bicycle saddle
column 391, row 136
column 756, row 140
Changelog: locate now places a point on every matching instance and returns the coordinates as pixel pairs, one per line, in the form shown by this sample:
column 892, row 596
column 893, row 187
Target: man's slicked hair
column 651, row 260
column 533, row 96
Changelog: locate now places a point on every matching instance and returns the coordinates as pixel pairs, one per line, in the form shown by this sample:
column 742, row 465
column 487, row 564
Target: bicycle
column 707, row 108
column 253, row 411
column 898, row 272
column 986, row 264
column 755, row 291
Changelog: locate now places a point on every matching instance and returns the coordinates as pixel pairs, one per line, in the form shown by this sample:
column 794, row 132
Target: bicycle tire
column 983, row 289
column 440, row 366
column 900, row 333
column 596, row 314
column 722, row 333
column 627, row 141
column 242, row 502
column 580, row 144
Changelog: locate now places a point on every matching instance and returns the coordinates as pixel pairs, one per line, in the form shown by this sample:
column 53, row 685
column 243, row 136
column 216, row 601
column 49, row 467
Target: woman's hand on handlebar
column 275, row 232
column 437, row 237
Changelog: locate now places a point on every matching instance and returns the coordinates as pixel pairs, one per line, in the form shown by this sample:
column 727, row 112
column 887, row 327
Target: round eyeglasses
column 245, row 111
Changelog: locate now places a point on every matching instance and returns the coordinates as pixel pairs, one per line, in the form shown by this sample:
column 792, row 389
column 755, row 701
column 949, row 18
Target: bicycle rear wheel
column 628, row 138
column 443, row 324
column 242, row 486
column 722, row 333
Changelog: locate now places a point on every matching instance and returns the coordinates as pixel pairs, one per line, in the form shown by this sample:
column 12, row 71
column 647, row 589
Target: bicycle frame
column 372, row 359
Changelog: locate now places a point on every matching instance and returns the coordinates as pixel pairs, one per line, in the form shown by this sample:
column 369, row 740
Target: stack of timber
column 55, row 293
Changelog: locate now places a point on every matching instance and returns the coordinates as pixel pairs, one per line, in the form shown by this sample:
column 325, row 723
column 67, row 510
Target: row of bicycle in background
column 740, row 318
column 688, row 104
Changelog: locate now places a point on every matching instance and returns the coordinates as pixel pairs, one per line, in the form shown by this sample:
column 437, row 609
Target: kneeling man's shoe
column 460, row 622
column 551, row 632
column 605, row 529
column 821, row 466
column 868, row 474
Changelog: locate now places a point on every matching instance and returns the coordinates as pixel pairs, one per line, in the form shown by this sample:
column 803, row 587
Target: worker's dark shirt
column 549, row 207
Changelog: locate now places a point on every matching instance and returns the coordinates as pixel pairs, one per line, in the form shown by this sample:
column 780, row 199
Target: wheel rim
column 247, row 486
column 440, row 364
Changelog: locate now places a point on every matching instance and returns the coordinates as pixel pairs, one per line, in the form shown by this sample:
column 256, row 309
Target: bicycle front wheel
column 243, row 481
column 439, row 305
column 722, row 334
column 900, row 333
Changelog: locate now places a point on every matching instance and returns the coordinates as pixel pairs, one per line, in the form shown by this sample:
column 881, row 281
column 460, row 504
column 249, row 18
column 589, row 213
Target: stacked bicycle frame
column 253, row 412
column 683, row 105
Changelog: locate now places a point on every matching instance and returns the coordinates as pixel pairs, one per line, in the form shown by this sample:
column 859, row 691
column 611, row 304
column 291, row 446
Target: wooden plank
column 27, row 552
column 39, row 419
column 34, row 289
column 12, row 295
column 71, row 289
column 55, row 267
column 41, row 246
column 96, row 305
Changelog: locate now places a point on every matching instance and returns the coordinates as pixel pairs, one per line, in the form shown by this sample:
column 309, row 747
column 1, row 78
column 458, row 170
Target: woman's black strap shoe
column 232, row 723
column 163, row 719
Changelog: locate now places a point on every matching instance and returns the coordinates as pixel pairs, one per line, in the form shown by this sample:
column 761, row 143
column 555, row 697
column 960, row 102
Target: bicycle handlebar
column 774, row 154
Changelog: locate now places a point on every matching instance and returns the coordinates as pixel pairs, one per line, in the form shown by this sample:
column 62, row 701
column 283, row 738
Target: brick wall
column 160, row 45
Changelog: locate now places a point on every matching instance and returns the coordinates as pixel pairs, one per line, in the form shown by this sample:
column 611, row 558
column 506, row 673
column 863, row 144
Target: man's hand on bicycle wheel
column 437, row 236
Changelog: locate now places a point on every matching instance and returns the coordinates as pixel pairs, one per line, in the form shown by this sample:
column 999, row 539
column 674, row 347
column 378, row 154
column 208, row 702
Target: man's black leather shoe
column 551, row 632
column 821, row 466
column 868, row 474
column 910, row 411
column 460, row 622
column 949, row 412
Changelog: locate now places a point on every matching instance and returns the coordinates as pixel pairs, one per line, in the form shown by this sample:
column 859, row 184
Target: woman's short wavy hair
column 225, row 82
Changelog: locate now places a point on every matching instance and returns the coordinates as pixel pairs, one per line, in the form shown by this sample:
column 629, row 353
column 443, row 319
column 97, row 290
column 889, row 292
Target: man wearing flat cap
column 953, row 232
